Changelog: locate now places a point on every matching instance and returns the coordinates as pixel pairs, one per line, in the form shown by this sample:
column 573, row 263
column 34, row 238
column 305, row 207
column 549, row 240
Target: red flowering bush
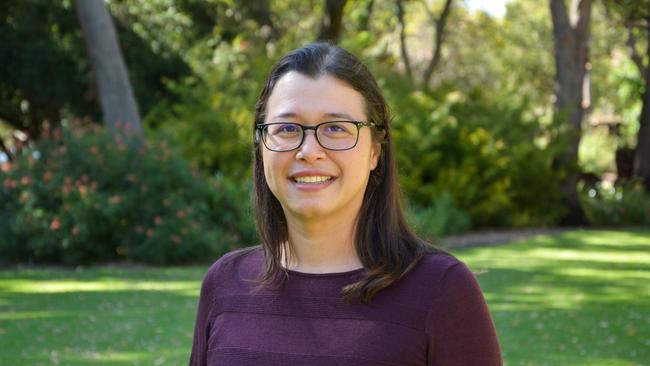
column 88, row 198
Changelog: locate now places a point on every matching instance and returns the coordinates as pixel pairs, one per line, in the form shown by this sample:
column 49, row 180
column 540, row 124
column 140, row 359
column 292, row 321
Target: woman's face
column 295, row 177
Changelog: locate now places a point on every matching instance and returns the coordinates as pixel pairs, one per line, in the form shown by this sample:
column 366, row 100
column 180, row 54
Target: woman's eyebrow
column 339, row 115
column 331, row 114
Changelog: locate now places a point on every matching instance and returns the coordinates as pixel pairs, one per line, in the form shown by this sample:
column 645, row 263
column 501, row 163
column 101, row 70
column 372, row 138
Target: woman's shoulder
column 437, row 265
column 437, row 271
column 238, row 263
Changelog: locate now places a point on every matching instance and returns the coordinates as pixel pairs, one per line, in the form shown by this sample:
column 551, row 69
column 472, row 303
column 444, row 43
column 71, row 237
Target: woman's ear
column 375, row 153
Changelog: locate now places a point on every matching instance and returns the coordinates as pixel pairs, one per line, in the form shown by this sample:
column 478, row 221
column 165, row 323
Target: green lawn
column 580, row 298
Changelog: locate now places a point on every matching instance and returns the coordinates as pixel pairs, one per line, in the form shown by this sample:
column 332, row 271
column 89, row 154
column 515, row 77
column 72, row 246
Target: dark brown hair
column 386, row 246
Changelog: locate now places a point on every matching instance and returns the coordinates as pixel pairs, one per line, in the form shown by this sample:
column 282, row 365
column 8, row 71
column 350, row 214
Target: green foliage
column 482, row 151
column 439, row 219
column 45, row 74
column 42, row 55
column 92, row 199
column 627, row 204
column 595, row 153
column 212, row 121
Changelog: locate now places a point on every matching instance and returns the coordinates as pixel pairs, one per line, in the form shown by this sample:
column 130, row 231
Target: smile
column 312, row 179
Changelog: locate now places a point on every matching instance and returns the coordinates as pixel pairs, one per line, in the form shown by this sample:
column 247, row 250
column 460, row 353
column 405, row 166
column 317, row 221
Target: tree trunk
column 437, row 47
column 642, row 157
column 117, row 100
column 332, row 25
column 571, row 35
column 402, row 40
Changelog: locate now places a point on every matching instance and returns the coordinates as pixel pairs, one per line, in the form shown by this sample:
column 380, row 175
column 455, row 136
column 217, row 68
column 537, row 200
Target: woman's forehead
column 298, row 96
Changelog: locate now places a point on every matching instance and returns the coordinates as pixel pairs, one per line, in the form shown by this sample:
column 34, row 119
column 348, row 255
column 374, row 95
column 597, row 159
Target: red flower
column 10, row 183
column 180, row 214
column 55, row 224
column 158, row 220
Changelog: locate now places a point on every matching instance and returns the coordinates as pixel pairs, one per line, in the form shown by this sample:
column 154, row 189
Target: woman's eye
column 287, row 129
column 335, row 128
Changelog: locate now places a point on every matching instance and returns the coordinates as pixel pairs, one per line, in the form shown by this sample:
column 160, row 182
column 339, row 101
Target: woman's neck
column 322, row 246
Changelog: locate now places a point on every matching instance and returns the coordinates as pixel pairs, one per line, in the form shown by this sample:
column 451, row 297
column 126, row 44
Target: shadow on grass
column 98, row 317
column 578, row 298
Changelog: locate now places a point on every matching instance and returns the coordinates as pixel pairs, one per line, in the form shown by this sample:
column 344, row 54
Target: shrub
column 89, row 198
column 439, row 219
column 626, row 204
column 481, row 150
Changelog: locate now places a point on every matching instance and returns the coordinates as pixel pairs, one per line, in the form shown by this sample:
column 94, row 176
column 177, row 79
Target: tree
column 571, row 36
column 115, row 93
column 635, row 16
column 332, row 24
column 39, row 78
column 439, row 25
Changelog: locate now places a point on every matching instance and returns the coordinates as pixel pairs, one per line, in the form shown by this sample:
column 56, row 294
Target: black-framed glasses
column 331, row 135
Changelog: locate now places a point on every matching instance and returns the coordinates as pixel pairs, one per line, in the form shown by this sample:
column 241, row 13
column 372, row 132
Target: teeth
column 316, row 179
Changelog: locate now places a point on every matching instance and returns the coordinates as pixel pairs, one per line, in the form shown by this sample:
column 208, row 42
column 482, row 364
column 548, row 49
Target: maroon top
column 435, row 315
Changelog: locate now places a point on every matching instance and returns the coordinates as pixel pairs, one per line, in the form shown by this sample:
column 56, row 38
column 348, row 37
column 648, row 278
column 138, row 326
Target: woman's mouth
column 312, row 179
column 312, row 182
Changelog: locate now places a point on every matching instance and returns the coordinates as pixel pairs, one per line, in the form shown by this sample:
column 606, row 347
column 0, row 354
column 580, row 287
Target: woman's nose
column 310, row 148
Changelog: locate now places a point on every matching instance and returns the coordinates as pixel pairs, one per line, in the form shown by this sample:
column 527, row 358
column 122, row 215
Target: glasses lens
column 282, row 136
column 339, row 135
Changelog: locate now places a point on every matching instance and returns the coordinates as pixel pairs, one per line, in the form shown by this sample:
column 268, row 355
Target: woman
column 339, row 278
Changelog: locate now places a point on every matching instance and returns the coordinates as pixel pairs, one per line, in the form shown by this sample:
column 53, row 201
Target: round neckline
column 328, row 274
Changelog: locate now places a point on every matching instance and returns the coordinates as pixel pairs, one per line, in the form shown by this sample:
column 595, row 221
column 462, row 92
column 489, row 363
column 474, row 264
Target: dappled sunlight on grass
column 578, row 298
column 107, row 316
column 20, row 315
column 26, row 286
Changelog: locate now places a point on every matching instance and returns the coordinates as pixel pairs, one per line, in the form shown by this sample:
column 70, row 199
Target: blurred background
column 507, row 114
column 126, row 137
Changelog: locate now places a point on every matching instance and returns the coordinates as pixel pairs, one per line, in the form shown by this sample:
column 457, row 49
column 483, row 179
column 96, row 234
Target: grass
column 579, row 298
column 104, row 316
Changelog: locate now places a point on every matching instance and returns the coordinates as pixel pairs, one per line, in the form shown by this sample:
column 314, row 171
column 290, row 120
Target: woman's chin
column 310, row 211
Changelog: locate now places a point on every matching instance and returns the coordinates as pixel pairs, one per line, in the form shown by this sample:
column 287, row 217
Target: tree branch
column 332, row 24
column 631, row 48
column 364, row 23
column 437, row 47
column 402, row 40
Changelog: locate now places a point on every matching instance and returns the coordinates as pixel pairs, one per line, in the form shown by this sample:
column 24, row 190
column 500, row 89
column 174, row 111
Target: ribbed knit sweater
column 435, row 315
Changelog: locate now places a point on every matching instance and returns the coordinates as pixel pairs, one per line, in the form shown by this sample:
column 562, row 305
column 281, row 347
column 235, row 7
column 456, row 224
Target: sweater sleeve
column 460, row 328
column 198, row 356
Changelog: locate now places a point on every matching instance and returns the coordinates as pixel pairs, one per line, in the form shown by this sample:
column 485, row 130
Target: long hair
column 385, row 244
